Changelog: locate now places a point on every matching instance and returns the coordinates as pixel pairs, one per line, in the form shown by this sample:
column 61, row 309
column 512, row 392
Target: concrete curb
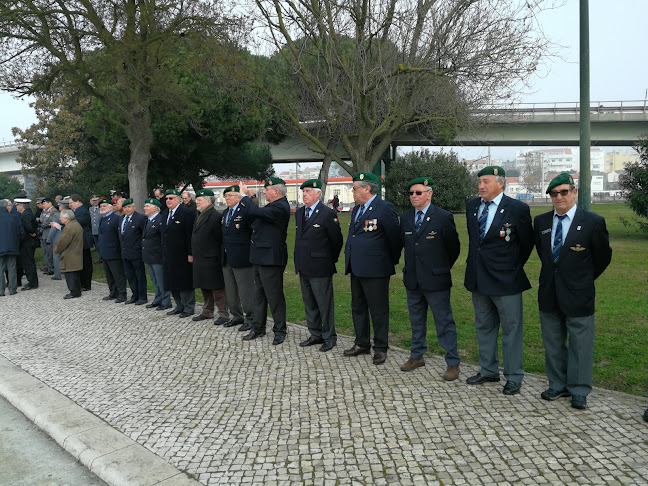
column 106, row 452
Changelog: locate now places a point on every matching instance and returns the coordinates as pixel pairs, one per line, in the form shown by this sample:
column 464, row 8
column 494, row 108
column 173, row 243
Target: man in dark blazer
column 372, row 249
column 177, row 256
column 318, row 242
column 152, row 254
column 206, row 241
column 131, row 229
column 82, row 215
column 110, row 252
column 574, row 248
column 431, row 247
column 29, row 242
column 500, row 240
column 235, row 257
column 269, row 255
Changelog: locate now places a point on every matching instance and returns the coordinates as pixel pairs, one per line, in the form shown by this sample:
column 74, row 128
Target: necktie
column 170, row 216
column 483, row 218
column 419, row 220
column 359, row 215
column 558, row 238
column 229, row 218
column 307, row 214
column 125, row 223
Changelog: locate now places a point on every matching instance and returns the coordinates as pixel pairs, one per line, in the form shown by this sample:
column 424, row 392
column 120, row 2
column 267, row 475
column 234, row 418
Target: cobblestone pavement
column 231, row 412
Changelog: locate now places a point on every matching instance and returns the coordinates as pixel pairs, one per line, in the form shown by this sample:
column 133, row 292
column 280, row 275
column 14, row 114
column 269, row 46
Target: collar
column 367, row 205
column 313, row 206
column 233, row 208
column 154, row 216
column 570, row 214
column 425, row 209
column 497, row 200
column 106, row 215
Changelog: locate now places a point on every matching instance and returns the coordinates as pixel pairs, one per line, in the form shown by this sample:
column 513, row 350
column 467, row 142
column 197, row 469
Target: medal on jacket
column 508, row 232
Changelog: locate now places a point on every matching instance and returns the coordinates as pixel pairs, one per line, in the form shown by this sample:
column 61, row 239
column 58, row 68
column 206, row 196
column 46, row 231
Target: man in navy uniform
column 29, row 243
column 177, row 256
column 372, row 249
column 269, row 255
column 235, row 256
column 110, row 252
column 131, row 230
column 152, row 254
column 500, row 240
column 574, row 248
column 431, row 247
column 318, row 242
column 83, row 217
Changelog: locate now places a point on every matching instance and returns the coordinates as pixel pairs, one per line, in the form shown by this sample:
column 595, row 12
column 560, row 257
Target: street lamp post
column 585, row 179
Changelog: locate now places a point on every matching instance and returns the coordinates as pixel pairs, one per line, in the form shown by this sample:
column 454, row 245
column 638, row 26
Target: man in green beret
column 500, row 240
column 152, row 254
column 131, row 230
column 110, row 252
column 574, row 249
column 373, row 248
column 431, row 247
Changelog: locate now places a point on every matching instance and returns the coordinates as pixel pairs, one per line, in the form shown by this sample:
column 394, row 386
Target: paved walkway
column 230, row 412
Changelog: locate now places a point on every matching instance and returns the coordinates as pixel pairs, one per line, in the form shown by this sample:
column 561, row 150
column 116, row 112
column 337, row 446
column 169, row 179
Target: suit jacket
column 131, row 238
column 152, row 241
column 495, row 266
column 568, row 285
column 109, row 245
column 431, row 251
column 373, row 253
column 235, row 250
column 318, row 242
column 176, row 247
column 82, row 215
column 206, row 246
column 269, row 229
column 29, row 224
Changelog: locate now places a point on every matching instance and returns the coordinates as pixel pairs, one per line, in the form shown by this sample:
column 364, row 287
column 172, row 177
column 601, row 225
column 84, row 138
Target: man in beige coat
column 70, row 250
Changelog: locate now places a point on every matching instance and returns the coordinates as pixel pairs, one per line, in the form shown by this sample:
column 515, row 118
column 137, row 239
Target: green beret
column 273, row 181
column 154, row 202
column 495, row 170
column 205, row 192
column 234, row 188
column 366, row 177
column 172, row 192
column 105, row 201
column 559, row 180
column 127, row 202
column 312, row 183
column 426, row 181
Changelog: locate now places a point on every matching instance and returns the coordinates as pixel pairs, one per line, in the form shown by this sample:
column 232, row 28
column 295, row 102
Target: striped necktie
column 359, row 215
column 419, row 220
column 483, row 219
column 307, row 213
column 558, row 238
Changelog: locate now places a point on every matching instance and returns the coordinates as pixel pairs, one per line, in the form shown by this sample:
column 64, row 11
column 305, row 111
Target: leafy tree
column 634, row 182
column 453, row 184
column 10, row 188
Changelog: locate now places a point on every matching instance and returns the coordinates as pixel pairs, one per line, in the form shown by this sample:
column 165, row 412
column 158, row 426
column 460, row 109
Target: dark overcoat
column 11, row 232
column 237, row 236
column 109, row 246
column 130, row 238
column 152, row 241
column 269, row 230
column 82, row 216
column 206, row 245
column 176, row 248
column 318, row 242
column 30, row 225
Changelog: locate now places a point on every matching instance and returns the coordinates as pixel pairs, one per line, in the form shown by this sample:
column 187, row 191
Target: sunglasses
column 418, row 193
column 563, row 193
column 171, row 197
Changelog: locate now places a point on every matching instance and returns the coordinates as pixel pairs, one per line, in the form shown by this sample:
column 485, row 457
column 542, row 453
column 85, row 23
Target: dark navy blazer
column 318, row 242
column 131, row 238
column 235, row 250
column 269, row 230
column 109, row 246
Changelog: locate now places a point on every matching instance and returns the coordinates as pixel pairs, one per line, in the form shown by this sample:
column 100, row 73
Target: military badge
column 361, row 176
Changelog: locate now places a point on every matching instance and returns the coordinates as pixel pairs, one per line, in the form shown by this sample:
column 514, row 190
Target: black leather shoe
column 140, row 302
column 174, row 312
column 108, row 297
column 85, row 289
column 278, row 339
column 163, row 307
column 311, row 341
column 551, row 394
column 119, row 300
column 71, row 296
column 646, row 415
column 221, row 321
column 54, row 278
column 326, row 347
column 151, row 306
column 28, row 287
column 200, row 317
column 478, row 379
column 232, row 323
column 511, row 388
column 379, row 357
column 184, row 314
column 356, row 350
column 245, row 327
column 130, row 301
column 253, row 335
column 579, row 402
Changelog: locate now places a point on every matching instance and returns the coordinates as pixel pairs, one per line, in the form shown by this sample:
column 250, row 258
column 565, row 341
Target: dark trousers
column 214, row 298
column 136, row 276
column 73, row 281
column 317, row 294
column 86, row 272
column 114, row 271
column 29, row 265
column 268, row 290
column 185, row 300
column 370, row 296
column 8, row 264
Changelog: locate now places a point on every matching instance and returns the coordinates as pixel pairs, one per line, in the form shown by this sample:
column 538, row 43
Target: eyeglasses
column 418, row 193
column 563, row 193
column 171, row 197
column 356, row 188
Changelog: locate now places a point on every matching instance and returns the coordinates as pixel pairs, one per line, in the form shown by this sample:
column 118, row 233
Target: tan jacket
column 70, row 247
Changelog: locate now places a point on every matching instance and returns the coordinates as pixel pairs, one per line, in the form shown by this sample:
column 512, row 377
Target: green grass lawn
column 621, row 345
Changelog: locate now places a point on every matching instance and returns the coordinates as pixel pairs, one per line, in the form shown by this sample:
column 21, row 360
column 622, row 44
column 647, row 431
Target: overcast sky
column 618, row 70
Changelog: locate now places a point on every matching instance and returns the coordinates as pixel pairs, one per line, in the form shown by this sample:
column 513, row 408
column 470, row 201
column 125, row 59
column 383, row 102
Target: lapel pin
column 578, row 228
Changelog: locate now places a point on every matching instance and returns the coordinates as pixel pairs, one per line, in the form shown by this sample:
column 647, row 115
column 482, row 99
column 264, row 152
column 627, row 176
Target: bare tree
column 364, row 71
column 532, row 172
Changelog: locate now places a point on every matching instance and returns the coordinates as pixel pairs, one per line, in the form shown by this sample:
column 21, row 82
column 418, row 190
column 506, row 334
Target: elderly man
column 117, row 205
column 45, row 219
column 131, row 229
column 188, row 202
column 574, row 248
column 70, row 249
column 82, row 216
column 500, row 240
column 152, row 254
column 54, row 236
column 177, row 225
column 372, row 250
column 269, row 255
column 11, row 232
column 29, row 242
column 206, row 241
column 159, row 195
column 318, row 242
column 235, row 257
column 431, row 247
column 110, row 252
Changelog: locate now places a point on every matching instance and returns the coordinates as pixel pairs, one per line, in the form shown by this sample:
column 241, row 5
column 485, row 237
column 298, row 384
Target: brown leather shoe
column 379, row 357
column 412, row 364
column 356, row 350
column 451, row 373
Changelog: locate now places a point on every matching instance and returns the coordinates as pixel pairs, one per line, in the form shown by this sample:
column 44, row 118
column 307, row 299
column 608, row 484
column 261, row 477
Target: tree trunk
column 326, row 167
column 140, row 136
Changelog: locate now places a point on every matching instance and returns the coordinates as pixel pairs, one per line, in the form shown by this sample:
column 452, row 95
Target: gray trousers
column 8, row 263
column 48, row 255
column 185, row 300
column 268, row 290
column 317, row 294
column 490, row 312
column 239, row 287
column 568, row 366
column 156, row 273
column 56, row 260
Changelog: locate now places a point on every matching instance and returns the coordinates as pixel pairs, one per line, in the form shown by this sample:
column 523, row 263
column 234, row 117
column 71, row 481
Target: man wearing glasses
column 431, row 247
column 574, row 248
